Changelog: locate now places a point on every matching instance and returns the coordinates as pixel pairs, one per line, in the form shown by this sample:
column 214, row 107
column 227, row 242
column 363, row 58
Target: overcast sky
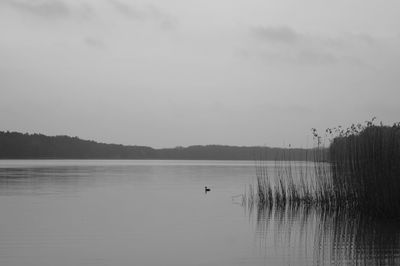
column 164, row 73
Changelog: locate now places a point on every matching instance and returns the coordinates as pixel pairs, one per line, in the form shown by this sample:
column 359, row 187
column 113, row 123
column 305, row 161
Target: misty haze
column 182, row 132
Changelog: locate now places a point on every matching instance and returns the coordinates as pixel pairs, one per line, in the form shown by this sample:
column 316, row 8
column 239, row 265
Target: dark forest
column 15, row 145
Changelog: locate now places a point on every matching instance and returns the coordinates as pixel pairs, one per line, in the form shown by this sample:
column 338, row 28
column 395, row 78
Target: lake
column 111, row 212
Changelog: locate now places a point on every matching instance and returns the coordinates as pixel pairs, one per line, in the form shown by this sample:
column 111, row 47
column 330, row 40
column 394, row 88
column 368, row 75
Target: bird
column 206, row 189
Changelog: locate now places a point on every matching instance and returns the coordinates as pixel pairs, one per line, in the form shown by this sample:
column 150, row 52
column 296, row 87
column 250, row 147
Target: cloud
column 93, row 42
column 147, row 13
column 42, row 8
column 303, row 58
column 127, row 10
column 83, row 10
column 310, row 57
column 51, row 9
column 166, row 20
column 276, row 34
column 286, row 45
column 306, row 57
column 366, row 38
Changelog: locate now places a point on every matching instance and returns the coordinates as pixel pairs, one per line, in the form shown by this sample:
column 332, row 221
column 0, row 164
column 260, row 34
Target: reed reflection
column 305, row 234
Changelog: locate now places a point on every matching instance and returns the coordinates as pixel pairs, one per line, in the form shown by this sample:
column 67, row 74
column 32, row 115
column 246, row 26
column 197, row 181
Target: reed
column 366, row 168
column 360, row 169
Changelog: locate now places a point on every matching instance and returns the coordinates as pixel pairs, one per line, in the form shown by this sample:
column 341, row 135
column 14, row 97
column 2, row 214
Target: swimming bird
column 206, row 189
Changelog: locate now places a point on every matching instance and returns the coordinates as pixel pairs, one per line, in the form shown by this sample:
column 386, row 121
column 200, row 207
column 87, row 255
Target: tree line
column 15, row 145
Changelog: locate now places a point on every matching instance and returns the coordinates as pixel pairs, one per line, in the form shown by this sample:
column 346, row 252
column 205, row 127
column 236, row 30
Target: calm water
column 156, row 213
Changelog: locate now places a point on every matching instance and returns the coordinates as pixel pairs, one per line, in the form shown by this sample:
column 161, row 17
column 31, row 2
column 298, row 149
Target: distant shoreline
column 16, row 145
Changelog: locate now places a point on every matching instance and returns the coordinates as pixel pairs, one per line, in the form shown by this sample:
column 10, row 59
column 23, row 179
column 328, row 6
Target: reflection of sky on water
column 123, row 212
column 306, row 235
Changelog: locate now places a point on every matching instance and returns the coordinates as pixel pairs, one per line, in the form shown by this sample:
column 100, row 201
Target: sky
column 166, row 73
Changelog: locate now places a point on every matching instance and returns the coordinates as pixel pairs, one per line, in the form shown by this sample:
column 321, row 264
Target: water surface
column 157, row 213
